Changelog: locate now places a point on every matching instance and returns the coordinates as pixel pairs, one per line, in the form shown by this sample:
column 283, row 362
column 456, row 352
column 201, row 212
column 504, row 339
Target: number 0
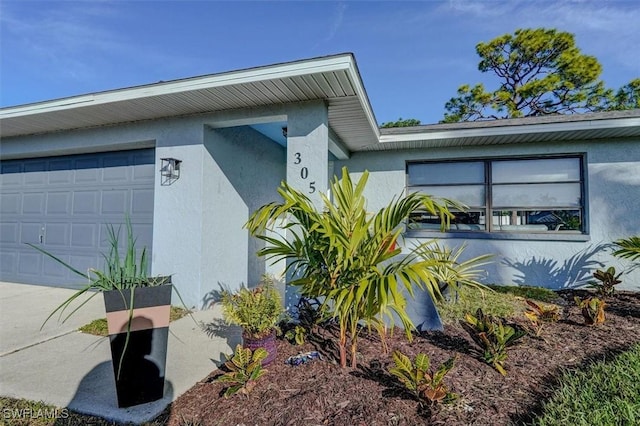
column 304, row 173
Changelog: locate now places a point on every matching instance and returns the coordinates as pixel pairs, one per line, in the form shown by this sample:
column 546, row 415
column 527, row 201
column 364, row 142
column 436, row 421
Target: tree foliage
column 541, row 72
column 401, row 122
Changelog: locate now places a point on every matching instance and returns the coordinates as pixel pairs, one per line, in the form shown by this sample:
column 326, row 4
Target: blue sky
column 412, row 55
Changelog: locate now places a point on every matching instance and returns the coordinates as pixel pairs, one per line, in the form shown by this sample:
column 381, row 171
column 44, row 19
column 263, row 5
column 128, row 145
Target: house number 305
column 304, row 172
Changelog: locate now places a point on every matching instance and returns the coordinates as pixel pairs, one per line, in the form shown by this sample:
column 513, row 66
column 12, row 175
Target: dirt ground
column 321, row 393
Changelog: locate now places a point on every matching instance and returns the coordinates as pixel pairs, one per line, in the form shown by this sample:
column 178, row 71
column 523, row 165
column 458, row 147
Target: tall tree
column 541, row 72
column 401, row 122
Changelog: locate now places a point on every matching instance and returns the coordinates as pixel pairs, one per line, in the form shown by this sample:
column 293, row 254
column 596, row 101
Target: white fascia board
column 362, row 96
column 314, row 66
column 513, row 130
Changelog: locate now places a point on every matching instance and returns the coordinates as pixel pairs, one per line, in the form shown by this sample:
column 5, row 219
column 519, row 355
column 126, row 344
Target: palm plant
column 450, row 270
column 629, row 248
column 347, row 257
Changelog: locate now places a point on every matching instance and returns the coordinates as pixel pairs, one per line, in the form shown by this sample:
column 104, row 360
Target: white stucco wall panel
column 245, row 172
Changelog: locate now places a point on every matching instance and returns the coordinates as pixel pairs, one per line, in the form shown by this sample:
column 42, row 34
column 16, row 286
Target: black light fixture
column 169, row 170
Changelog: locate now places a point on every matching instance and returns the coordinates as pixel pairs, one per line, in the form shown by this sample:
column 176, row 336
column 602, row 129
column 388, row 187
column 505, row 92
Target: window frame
column 490, row 232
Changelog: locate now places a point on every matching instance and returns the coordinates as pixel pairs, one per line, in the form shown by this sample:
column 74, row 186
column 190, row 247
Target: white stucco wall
column 613, row 202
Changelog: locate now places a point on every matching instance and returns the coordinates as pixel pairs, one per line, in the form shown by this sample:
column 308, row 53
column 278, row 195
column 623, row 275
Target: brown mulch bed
column 321, row 393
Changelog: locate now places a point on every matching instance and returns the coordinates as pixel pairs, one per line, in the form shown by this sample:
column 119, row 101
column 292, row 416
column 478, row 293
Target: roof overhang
column 557, row 128
column 334, row 79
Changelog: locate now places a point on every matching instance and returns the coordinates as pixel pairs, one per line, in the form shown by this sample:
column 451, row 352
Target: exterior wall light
column 169, row 170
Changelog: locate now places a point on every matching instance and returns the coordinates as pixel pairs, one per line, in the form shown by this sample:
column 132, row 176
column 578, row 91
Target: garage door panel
column 86, row 203
column 114, row 202
column 30, row 232
column 33, row 203
column 30, row 264
column 83, row 264
column 10, row 203
column 142, row 202
column 64, row 204
column 58, row 203
column 57, row 234
column 8, row 262
column 60, row 177
column 84, row 235
column 54, row 270
column 8, row 232
column 85, row 174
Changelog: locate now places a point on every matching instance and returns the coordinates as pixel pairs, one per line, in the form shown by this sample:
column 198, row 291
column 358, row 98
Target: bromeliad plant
column 540, row 314
column 245, row 368
column 592, row 310
column 424, row 384
column 345, row 256
column 607, row 280
column 494, row 336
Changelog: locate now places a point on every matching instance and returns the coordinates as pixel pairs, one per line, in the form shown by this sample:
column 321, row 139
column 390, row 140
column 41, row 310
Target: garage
column 63, row 204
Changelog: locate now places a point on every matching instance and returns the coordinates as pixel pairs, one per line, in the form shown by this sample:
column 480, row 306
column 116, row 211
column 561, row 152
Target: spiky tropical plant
column 629, row 248
column 450, row 271
column 344, row 255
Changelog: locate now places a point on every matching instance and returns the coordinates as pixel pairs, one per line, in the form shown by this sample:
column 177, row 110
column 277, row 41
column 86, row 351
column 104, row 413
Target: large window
column 539, row 195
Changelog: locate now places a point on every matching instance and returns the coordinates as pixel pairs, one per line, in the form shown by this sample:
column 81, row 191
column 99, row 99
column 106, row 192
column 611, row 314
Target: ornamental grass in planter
column 257, row 310
column 138, row 308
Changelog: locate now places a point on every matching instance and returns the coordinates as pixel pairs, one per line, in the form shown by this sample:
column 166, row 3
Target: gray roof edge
column 84, row 98
column 512, row 122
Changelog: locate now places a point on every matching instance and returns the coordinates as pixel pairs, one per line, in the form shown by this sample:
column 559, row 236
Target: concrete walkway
column 66, row 368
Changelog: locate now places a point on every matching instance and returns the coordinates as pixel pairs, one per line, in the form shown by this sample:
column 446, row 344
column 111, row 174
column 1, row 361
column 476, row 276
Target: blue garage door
column 63, row 204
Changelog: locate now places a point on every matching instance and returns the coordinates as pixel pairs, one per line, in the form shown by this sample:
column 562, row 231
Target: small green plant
column 607, row 280
column 539, row 314
column 592, row 310
column 256, row 310
column 417, row 377
column 494, row 336
column 245, row 367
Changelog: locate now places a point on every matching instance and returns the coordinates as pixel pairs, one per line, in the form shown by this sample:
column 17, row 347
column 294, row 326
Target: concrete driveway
column 66, row 368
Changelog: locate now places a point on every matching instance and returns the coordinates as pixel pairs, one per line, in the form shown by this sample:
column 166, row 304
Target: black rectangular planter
column 139, row 373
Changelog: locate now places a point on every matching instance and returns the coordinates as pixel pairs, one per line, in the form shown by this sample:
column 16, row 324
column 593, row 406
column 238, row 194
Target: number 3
column 298, row 159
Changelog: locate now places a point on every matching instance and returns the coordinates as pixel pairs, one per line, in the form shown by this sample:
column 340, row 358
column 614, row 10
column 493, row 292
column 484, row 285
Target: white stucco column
column 308, row 149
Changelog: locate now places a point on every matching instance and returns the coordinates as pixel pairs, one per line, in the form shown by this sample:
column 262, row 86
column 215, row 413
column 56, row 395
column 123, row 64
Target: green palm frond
column 629, row 248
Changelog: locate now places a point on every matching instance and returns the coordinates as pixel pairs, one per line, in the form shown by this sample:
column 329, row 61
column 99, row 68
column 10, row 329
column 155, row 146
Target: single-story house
column 189, row 160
